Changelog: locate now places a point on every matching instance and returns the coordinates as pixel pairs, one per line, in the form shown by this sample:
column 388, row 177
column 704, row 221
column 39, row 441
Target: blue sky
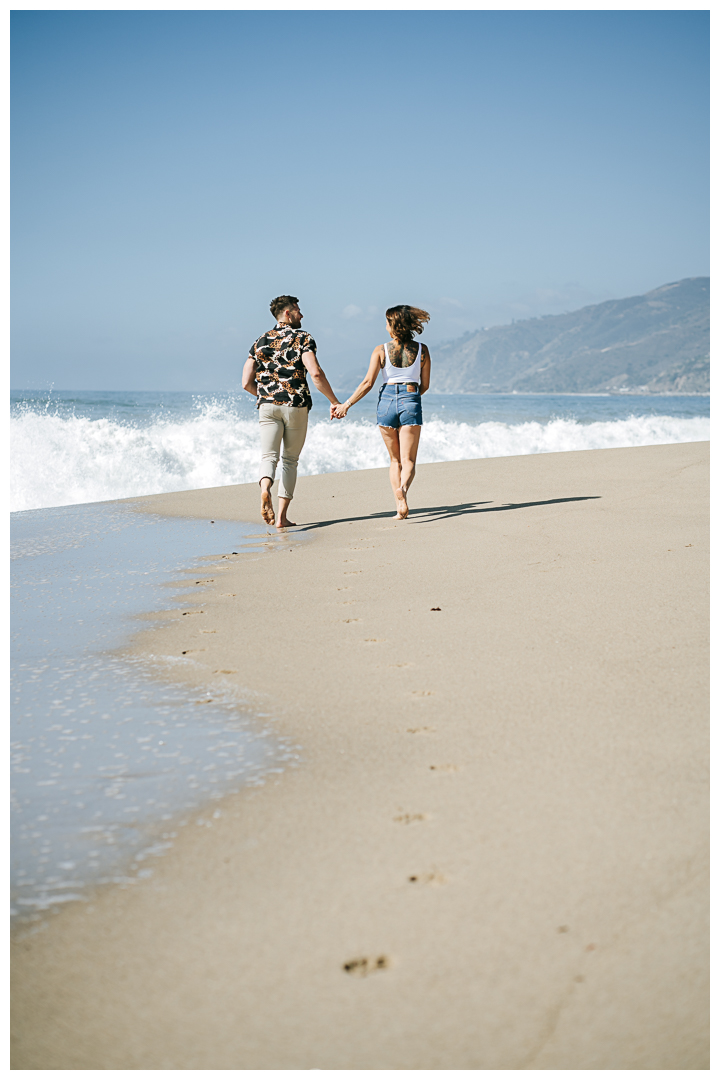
column 172, row 171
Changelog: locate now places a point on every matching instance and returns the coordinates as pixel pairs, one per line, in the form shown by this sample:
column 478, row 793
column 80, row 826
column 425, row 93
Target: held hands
column 338, row 412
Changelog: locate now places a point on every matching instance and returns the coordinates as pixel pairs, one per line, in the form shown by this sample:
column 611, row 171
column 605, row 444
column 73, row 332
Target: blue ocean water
column 108, row 760
column 81, row 446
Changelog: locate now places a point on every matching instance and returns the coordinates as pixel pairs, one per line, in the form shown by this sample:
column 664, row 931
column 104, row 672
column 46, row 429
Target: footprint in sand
column 366, row 965
column 432, row 878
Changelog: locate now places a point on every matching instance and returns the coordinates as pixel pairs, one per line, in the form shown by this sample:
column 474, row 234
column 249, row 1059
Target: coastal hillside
column 656, row 343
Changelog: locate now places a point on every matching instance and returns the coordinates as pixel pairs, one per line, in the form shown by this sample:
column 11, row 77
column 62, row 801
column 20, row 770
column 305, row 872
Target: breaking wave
column 59, row 460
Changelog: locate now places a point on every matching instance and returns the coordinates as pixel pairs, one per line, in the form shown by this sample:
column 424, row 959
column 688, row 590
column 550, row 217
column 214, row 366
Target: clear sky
column 172, row 171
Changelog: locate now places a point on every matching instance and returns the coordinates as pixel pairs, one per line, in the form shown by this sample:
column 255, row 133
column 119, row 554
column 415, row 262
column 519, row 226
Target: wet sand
column 494, row 854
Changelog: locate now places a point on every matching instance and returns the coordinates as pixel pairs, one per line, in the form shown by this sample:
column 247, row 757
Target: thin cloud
column 352, row 311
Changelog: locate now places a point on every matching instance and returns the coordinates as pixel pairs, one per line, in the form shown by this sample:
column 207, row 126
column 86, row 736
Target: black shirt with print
column 280, row 373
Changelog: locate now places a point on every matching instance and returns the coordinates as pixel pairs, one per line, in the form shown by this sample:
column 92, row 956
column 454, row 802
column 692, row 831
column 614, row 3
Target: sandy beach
column 494, row 852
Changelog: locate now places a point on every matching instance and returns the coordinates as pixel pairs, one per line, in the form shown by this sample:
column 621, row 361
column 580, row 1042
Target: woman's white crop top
column 393, row 374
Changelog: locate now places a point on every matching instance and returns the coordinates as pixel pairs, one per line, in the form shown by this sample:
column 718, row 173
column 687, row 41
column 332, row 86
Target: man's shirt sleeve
column 308, row 345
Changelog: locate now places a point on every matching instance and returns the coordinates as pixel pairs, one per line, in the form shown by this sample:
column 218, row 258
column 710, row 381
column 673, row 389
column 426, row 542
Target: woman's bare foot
column 285, row 524
column 266, row 508
column 402, row 506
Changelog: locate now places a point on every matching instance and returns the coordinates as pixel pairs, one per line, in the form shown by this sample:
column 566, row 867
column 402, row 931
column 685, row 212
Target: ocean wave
column 60, row 460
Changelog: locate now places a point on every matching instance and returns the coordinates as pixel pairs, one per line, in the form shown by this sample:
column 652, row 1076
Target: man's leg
column 267, row 513
column 296, row 423
column 271, row 433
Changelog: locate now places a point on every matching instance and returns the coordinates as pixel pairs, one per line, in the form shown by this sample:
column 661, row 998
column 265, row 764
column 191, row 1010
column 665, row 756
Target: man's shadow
column 444, row 513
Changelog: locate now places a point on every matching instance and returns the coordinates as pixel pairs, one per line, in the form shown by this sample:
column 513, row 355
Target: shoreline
column 106, row 752
column 499, row 817
column 148, row 443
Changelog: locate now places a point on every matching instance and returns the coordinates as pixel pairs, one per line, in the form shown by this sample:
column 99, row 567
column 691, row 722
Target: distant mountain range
column 658, row 343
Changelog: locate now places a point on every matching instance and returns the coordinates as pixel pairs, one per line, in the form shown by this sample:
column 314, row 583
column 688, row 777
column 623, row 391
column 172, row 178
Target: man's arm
column 248, row 376
column 318, row 376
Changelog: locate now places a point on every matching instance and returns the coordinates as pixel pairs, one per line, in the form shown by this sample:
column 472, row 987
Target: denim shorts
column 398, row 406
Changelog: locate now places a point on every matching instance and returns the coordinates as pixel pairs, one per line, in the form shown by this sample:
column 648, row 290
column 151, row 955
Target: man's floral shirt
column 280, row 374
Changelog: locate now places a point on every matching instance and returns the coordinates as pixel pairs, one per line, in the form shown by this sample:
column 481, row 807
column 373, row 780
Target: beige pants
column 284, row 424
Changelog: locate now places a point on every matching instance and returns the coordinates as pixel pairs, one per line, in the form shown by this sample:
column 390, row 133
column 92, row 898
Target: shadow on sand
column 442, row 513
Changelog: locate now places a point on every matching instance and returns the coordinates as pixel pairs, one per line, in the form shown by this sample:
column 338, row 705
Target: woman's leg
column 391, row 438
column 409, row 439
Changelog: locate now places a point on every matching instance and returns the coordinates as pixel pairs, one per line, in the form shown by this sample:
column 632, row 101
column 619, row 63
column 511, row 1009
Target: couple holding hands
column 276, row 373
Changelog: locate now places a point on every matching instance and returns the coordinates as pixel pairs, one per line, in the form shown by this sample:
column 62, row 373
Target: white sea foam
column 59, row 460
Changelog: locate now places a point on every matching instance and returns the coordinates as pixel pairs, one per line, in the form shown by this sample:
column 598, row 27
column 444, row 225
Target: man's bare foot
column 285, row 524
column 402, row 506
column 266, row 508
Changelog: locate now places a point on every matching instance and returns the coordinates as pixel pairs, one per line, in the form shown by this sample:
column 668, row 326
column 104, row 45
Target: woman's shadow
column 443, row 513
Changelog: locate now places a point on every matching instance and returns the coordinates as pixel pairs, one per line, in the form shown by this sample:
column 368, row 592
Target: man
column 276, row 373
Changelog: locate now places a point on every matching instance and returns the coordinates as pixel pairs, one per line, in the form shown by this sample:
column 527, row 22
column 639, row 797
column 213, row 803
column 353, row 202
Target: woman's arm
column 365, row 386
column 424, row 369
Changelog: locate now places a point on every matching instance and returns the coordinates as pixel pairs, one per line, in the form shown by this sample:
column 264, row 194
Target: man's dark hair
column 279, row 304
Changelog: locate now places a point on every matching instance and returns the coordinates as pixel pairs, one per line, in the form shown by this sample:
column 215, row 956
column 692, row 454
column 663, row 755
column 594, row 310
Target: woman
column 405, row 364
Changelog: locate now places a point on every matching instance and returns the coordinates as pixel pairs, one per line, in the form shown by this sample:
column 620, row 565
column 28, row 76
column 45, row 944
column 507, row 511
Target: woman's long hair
column 406, row 322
